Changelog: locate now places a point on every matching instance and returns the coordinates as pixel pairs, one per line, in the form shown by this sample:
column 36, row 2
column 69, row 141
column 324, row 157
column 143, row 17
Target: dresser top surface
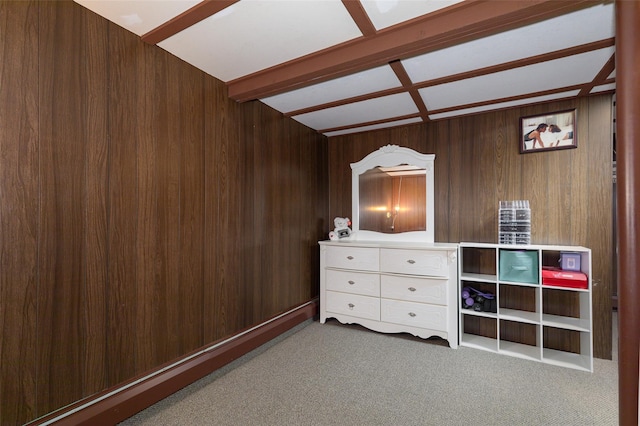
column 391, row 244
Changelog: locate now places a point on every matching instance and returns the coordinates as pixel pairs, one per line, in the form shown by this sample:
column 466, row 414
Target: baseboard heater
column 115, row 405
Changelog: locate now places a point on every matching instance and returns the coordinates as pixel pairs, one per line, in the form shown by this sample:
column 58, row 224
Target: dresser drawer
column 414, row 314
column 353, row 304
column 415, row 262
column 414, row 289
column 353, row 282
column 359, row 258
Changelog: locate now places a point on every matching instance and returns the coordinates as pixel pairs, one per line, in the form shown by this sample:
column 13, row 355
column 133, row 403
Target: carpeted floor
column 334, row 374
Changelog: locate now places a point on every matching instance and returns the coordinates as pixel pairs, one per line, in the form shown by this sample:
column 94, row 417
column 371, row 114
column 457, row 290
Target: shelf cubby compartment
column 552, row 258
column 519, row 303
column 566, row 309
column 478, row 264
column 479, row 331
column 567, row 348
column 479, row 286
column 520, row 339
column 519, row 266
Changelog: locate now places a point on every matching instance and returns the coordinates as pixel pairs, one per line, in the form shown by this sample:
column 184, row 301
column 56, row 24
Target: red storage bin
column 554, row 277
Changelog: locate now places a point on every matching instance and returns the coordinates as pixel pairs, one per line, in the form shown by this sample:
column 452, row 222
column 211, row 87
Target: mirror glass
column 393, row 195
column 393, row 199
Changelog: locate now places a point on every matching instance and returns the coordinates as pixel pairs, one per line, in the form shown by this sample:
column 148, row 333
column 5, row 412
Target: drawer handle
column 412, row 289
column 351, row 306
column 411, row 314
column 411, row 261
column 350, row 257
column 351, row 282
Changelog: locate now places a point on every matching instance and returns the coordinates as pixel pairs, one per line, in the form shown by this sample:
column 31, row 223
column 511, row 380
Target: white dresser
column 391, row 287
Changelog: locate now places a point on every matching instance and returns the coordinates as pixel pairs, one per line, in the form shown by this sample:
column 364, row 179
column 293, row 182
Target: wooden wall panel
column 433, row 136
column 463, row 185
column 509, row 176
column 478, row 163
column 94, row 311
column 599, row 201
column 484, row 210
column 150, row 310
column 62, row 227
column 169, row 151
column 225, row 224
column 252, row 212
column 266, row 175
column 455, row 187
column 19, row 181
column 315, row 218
column 143, row 214
column 581, row 178
column 126, row 61
column 188, row 134
column 274, row 190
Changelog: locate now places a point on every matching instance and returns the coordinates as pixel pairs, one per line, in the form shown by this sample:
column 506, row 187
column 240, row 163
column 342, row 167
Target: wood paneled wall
column 478, row 164
column 142, row 213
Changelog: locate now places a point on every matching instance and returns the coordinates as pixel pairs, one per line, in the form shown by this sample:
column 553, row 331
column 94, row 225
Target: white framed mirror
column 392, row 196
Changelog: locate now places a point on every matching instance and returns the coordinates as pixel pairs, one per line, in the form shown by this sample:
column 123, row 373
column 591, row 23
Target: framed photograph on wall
column 555, row 130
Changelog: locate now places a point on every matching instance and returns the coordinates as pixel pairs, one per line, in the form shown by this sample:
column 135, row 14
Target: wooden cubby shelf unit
column 532, row 320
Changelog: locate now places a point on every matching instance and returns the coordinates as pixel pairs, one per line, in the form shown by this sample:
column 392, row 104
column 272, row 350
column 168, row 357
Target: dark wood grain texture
column 187, row 132
column 62, row 251
column 479, row 260
column 149, row 305
column 94, row 311
column 225, row 180
column 19, row 181
column 410, row 197
column 599, row 205
column 518, row 332
column 144, row 214
column 481, row 326
column 126, row 59
column 435, row 133
column 478, row 164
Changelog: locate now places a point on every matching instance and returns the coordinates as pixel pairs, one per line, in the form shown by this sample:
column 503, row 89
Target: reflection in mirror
column 392, row 193
column 393, row 199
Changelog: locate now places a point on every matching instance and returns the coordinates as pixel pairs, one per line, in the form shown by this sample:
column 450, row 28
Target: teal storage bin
column 520, row 266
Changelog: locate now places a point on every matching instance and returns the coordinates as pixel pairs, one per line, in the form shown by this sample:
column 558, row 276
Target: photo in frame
column 547, row 132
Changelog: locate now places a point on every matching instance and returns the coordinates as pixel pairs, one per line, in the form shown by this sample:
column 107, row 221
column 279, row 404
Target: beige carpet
column 334, row 374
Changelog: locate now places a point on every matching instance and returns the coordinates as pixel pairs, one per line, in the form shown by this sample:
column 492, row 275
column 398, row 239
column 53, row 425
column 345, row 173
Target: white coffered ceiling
column 345, row 66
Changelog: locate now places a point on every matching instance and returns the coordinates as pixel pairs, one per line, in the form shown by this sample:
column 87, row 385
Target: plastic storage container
column 514, row 222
